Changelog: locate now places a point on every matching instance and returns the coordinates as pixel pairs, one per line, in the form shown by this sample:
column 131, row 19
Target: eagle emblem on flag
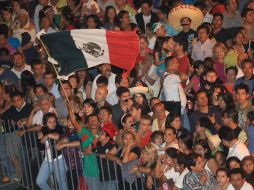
column 92, row 49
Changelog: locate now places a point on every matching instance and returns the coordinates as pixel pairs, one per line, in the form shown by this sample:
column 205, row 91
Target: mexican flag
column 85, row 48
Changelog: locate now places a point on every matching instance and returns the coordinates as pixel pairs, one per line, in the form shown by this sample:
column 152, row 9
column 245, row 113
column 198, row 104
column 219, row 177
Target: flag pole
column 60, row 82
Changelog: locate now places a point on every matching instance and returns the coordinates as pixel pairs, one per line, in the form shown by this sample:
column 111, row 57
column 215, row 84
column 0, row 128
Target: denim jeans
column 93, row 183
column 109, row 185
column 47, row 168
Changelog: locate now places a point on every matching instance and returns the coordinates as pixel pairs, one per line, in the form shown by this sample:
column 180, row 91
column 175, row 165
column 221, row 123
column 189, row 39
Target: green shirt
column 90, row 162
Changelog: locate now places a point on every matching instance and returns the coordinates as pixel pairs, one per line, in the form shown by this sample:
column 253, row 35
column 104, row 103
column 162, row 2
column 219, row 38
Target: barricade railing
column 23, row 160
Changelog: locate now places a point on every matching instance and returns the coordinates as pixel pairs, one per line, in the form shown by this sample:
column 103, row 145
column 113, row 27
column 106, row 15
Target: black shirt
column 188, row 36
column 221, row 36
column 106, row 167
column 46, row 131
column 12, row 116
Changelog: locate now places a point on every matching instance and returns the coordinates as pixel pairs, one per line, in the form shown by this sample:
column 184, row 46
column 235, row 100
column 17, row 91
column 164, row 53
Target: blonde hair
column 151, row 150
column 129, row 132
column 219, row 45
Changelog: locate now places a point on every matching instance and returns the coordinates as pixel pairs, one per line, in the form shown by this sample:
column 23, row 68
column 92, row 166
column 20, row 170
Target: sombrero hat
column 181, row 11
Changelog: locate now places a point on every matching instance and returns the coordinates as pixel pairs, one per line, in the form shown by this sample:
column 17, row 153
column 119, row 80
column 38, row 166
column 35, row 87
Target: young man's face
column 145, row 9
column 45, row 106
column 49, row 80
column 237, row 181
column 104, row 116
column 3, row 40
column 217, row 22
column 211, row 77
column 18, row 61
column 105, row 70
column 202, row 35
column 202, row 99
column 18, row 101
column 101, row 94
column 241, row 95
column 161, row 31
column 124, row 97
column 247, row 70
column 231, row 75
column 185, row 22
column 144, row 125
column 38, row 69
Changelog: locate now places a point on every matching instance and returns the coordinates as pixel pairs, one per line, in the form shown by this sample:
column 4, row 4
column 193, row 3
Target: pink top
column 220, row 70
column 196, row 80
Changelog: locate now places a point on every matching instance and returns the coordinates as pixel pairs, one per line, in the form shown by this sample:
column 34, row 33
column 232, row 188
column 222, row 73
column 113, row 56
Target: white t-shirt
column 239, row 150
column 18, row 73
column 37, row 118
column 171, row 174
column 179, row 180
column 146, row 19
column 111, row 85
column 246, row 186
column 170, row 88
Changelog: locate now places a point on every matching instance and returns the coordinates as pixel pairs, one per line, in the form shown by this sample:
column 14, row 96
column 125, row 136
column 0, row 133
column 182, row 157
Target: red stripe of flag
column 123, row 48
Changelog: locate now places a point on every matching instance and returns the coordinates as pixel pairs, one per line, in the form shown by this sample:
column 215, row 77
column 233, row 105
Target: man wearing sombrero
column 187, row 33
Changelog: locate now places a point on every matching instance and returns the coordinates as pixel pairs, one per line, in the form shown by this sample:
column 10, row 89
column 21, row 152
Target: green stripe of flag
column 62, row 48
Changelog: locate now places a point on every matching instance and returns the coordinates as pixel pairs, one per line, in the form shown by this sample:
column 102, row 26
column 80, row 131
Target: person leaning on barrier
column 54, row 161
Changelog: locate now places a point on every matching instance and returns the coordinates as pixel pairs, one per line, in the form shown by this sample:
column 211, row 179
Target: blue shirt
column 250, row 135
column 249, row 83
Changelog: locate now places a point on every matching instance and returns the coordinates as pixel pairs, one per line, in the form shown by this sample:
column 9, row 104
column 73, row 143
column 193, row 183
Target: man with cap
column 106, row 167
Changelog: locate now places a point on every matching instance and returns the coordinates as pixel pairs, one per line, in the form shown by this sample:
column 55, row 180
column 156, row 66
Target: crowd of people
column 183, row 118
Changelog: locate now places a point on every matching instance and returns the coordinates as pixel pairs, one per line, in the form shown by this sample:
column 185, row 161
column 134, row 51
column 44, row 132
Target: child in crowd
column 157, row 140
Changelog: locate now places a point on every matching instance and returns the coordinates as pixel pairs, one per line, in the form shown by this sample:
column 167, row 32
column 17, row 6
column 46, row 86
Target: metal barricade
column 24, row 161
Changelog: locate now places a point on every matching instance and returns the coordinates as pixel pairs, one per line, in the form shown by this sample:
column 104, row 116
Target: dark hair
column 208, row 63
column 96, row 20
column 64, row 82
column 197, row 64
column 119, row 16
column 125, row 117
column 246, row 61
column 237, row 171
column 169, row 59
column 206, row 123
column 118, row 78
column 245, row 12
column 102, row 80
column 93, row 115
column 187, row 139
column 232, row 159
column 156, row 134
column 218, row 15
column 170, row 118
column 144, row 105
column 36, row 62
column 121, row 90
column 4, row 51
column 181, row 159
column 47, row 116
column 4, row 34
column 226, row 133
column 16, row 93
column 228, row 99
column 107, row 109
column 250, row 116
column 205, row 145
column 164, row 9
column 17, row 53
column 27, row 80
column 231, row 113
column 199, row 92
column 49, row 72
column 191, row 160
column 90, row 102
column 171, row 152
column 147, row 2
column 247, row 158
column 106, row 12
column 223, row 170
column 147, row 117
column 204, row 26
column 234, row 68
column 182, row 42
column 159, row 44
column 172, row 129
column 242, row 86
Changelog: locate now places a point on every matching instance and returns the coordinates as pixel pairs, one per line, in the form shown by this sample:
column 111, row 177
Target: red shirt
column 184, row 66
column 145, row 140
